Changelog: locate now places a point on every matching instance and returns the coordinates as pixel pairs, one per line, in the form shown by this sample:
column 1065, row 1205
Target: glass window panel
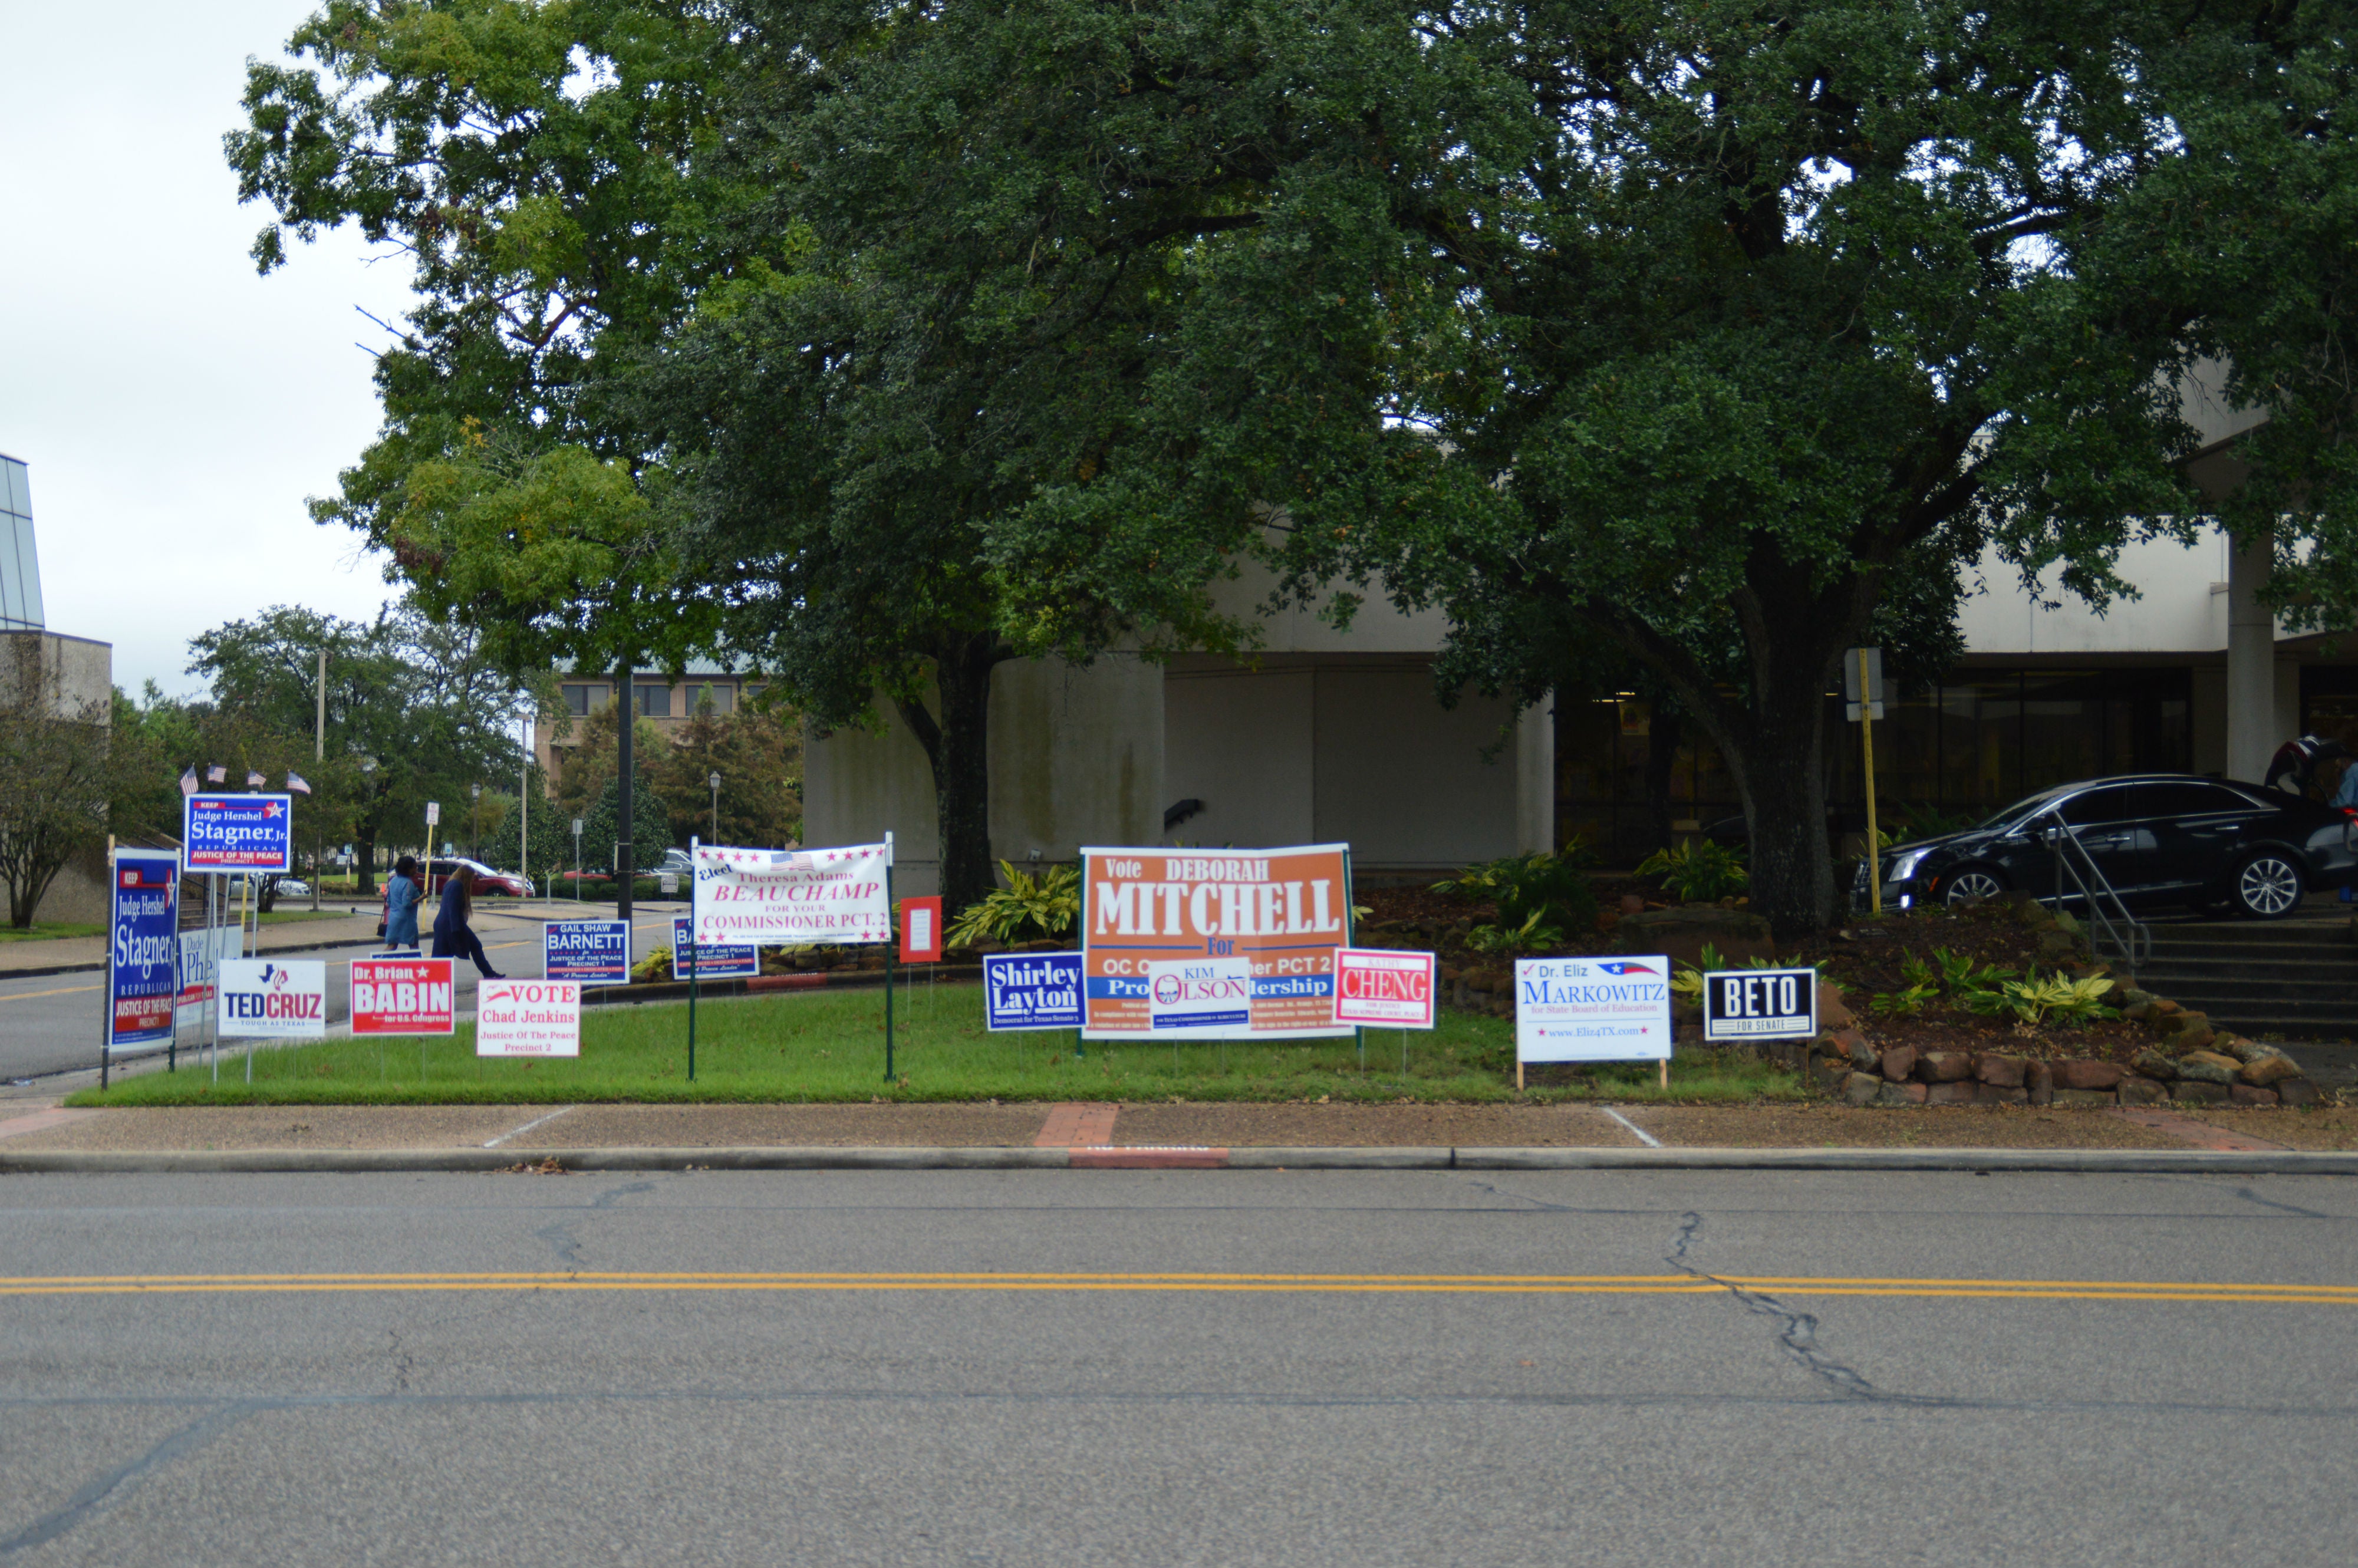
column 655, row 701
column 2118, row 803
column 28, row 565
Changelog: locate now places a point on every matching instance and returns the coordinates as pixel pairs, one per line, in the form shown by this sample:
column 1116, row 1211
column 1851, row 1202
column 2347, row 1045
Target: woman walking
column 453, row 938
column 402, row 897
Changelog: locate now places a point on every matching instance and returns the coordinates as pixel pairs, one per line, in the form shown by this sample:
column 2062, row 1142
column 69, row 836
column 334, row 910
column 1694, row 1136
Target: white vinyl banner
column 281, row 997
column 776, row 898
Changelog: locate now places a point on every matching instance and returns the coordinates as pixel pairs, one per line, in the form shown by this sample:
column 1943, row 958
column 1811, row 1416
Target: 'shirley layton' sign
column 1592, row 1009
column 1030, row 990
column 789, row 897
column 1760, row 1004
column 1282, row 911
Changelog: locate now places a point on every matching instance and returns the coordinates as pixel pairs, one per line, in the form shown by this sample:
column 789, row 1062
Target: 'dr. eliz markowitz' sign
column 1285, row 911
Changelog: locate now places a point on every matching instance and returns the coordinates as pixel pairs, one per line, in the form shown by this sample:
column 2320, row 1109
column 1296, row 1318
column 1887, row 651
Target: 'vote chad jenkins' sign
column 529, row 1018
column 785, row 897
column 1282, row 911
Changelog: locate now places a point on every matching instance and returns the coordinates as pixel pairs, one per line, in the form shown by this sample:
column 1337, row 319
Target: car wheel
column 2267, row 886
column 1972, row 883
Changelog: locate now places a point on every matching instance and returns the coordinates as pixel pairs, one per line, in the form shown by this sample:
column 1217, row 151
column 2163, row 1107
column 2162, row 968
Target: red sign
column 1376, row 985
column 921, row 930
column 401, row 996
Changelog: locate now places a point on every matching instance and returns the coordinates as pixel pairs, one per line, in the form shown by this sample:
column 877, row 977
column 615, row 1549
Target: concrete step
column 2155, row 973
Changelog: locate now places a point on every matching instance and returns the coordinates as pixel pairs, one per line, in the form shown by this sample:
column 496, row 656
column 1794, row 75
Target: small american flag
column 189, row 780
column 254, row 780
column 217, row 774
column 294, row 781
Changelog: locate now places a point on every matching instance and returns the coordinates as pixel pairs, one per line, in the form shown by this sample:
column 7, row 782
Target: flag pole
column 694, row 969
column 890, row 944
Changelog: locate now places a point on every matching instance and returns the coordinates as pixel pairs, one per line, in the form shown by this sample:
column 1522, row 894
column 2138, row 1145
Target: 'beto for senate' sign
column 1760, row 1004
column 236, row 832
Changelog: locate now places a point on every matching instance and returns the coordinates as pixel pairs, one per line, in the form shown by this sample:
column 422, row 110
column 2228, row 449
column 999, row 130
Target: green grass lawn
column 52, row 931
column 829, row 1046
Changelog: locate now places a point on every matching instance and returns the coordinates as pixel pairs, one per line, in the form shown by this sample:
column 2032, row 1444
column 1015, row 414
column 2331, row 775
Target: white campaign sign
column 787, row 897
column 1199, row 998
column 1593, row 1010
column 529, row 1018
column 284, row 999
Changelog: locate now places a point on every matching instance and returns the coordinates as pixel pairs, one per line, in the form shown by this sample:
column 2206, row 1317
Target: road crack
column 103, row 1492
column 567, row 1245
column 1797, row 1331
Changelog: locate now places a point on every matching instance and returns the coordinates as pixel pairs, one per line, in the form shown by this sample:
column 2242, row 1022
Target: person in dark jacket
column 453, row 938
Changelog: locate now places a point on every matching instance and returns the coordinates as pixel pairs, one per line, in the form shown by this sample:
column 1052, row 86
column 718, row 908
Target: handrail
column 2129, row 936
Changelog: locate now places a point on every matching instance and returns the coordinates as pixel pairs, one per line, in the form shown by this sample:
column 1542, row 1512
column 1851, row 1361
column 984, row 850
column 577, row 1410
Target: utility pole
column 318, row 765
column 523, row 805
column 626, row 721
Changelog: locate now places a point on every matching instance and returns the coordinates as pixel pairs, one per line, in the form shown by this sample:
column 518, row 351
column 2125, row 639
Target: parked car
column 488, row 881
column 2159, row 839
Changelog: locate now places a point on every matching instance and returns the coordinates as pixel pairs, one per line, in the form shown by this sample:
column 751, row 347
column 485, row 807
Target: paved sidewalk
column 29, row 1126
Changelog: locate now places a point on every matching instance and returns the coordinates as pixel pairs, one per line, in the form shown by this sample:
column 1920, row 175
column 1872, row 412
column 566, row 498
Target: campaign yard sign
column 402, row 996
column 1760, row 1004
column 529, row 1018
column 921, row 930
column 1284, row 912
column 1030, row 990
column 587, row 952
column 200, row 969
column 1376, row 985
column 237, row 832
column 776, row 898
column 143, row 972
column 709, row 961
column 284, row 999
column 1199, row 998
column 1593, row 1010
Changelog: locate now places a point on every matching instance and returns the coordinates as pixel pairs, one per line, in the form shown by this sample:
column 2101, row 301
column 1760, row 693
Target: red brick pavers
column 1077, row 1123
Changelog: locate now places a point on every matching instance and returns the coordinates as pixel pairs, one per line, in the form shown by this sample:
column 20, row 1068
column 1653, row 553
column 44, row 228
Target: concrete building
column 1331, row 736
column 667, row 704
column 72, row 677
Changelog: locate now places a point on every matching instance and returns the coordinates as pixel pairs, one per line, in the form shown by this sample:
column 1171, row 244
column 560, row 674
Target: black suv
column 2159, row 838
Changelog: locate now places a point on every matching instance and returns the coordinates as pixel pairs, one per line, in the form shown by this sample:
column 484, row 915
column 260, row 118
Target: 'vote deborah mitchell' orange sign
column 1286, row 909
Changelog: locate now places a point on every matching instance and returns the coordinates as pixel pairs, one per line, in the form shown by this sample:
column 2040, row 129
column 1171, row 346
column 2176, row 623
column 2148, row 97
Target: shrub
column 1542, row 897
column 1698, row 870
column 1027, row 908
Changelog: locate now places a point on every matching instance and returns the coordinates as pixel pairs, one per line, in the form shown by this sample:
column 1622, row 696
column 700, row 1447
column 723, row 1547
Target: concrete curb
column 2149, row 1162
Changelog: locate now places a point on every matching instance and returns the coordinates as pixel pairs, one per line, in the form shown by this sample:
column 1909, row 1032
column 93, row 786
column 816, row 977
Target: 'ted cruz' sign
column 1376, row 985
column 1760, row 1004
column 236, row 832
column 280, row 998
column 401, row 996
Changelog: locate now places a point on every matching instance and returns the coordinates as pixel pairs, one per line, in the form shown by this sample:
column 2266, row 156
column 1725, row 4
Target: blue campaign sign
column 593, row 952
column 237, row 832
column 1032, row 990
column 144, row 949
column 711, row 961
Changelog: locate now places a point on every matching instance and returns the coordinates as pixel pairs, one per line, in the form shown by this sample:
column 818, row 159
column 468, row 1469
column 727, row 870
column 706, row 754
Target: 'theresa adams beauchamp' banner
column 775, row 898
column 1285, row 910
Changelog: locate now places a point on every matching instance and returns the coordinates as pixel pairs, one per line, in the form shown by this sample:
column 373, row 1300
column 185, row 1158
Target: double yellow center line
column 1265, row 1284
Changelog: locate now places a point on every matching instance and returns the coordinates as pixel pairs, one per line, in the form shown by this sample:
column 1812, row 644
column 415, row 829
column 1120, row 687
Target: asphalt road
column 50, row 1023
column 1178, row 1369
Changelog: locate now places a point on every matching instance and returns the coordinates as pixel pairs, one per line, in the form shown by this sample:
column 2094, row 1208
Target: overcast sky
column 176, row 409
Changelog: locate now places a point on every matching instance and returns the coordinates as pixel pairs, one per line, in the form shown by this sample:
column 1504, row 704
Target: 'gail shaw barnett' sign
column 785, row 898
column 1593, row 1010
column 587, row 952
column 1030, row 990
column 1282, row 911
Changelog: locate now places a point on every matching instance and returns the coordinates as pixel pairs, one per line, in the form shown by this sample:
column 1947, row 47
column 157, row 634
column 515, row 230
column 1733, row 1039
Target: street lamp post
column 475, row 833
column 716, row 807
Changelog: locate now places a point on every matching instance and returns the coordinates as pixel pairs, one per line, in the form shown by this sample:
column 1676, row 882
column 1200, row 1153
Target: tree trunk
column 1662, row 736
column 1783, row 766
column 957, row 745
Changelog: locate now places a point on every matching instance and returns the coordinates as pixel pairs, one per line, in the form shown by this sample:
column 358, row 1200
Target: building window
column 718, row 695
column 655, row 701
column 583, row 701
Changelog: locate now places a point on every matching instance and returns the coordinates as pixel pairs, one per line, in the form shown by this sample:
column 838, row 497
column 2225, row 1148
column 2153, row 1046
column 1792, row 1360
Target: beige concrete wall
column 1239, row 741
column 1076, row 758
column 70, row 676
